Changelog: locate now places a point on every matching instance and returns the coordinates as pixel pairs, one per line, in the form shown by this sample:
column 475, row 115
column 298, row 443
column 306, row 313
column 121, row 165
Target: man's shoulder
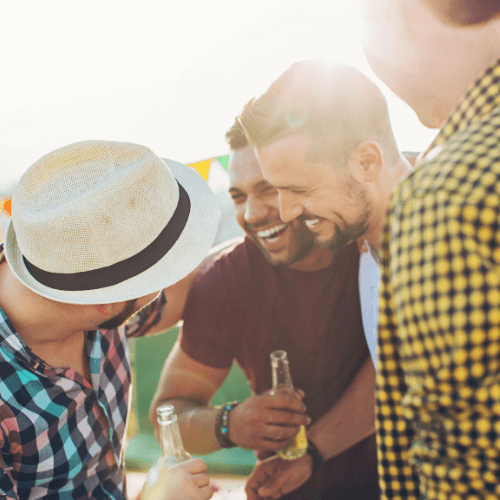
column 452, row 171
column 228, row 247
column 232, row 256
column 227, row 273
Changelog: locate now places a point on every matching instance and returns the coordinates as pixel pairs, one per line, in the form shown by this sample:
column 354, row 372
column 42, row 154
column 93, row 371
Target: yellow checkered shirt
column 438, row 384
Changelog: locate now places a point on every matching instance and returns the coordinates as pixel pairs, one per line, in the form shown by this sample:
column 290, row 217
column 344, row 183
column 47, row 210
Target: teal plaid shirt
column 61, row 437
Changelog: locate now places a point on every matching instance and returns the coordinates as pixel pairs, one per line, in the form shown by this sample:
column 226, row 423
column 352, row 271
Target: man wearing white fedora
column 97, row 230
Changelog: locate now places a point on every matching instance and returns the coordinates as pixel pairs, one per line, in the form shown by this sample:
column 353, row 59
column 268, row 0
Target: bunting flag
column 7, row 204
column 223, row 160
column 202, row 167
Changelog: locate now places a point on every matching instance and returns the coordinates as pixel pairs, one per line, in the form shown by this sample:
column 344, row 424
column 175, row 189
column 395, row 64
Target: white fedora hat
column 98, row 222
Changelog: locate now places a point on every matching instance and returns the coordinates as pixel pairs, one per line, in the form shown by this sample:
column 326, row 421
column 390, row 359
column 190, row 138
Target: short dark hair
column 236, row 137
column 465, row 12
column 334, row 105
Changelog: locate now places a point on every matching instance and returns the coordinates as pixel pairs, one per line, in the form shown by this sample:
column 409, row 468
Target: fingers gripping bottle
column 297, row 445
column 172, row 453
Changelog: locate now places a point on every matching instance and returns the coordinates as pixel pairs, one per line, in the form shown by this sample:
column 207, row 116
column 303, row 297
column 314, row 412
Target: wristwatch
column 317, row 458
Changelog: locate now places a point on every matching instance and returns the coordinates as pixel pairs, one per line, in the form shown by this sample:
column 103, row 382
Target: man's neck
column 318, row 258
column 395, row 174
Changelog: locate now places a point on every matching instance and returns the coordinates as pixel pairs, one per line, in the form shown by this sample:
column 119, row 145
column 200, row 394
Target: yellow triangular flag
column 202, row 167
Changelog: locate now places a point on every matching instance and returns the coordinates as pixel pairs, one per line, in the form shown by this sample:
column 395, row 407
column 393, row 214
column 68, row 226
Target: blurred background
column 169, row 75
column 172, row 76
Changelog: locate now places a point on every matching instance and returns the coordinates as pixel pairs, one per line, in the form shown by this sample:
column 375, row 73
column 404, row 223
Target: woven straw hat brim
column 185, row 255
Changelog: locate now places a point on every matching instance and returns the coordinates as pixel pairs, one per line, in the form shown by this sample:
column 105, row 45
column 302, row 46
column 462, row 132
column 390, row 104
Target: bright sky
column 171, row 75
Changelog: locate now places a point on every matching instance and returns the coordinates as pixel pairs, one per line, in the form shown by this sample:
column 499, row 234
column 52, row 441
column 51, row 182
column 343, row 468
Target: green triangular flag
column 223, row 160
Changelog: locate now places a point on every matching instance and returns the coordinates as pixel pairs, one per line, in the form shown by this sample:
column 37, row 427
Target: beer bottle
column 172, row 453
column 282, row 380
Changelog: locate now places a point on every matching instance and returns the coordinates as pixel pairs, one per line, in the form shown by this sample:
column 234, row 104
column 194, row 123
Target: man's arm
column 189, row 386
column 8, row 483
column 175, row 297
column 351, row 419
column 348, row 422
column 261, row 422
column 161, row 315
column 185, row 481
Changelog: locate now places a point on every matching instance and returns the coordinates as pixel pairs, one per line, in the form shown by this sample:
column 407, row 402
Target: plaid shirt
column 438, row 395
column 61, row 437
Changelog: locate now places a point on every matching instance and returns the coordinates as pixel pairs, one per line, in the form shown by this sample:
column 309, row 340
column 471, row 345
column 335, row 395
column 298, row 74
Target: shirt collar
column 11, row 340
column 374, row 252
column 481, row 97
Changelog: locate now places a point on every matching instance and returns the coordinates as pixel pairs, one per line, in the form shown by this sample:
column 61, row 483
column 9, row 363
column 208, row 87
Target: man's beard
column 128, row 311
column 351, row 232
column 345, row 237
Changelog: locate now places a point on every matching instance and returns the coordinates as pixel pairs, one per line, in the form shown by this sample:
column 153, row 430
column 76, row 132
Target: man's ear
column 367, row 160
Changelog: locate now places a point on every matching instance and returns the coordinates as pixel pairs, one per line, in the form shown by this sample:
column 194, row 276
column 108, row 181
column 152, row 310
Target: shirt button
column 33, row 363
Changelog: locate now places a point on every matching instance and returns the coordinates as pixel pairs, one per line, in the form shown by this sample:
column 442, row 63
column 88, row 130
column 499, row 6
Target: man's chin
column 276, row 258
column 285, row 258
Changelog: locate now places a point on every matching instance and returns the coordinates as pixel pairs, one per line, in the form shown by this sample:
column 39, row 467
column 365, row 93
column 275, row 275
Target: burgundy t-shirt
column 241, row 307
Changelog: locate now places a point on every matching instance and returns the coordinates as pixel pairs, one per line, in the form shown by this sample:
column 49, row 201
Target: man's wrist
column 317, row 459
column 222, row 425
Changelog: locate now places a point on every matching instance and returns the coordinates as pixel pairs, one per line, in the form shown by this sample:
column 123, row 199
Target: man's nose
column 255, row 210
column 289, row 208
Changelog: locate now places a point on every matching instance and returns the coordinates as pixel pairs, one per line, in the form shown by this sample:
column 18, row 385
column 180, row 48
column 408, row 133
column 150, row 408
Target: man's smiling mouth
column 273, row 233
column 311, row 223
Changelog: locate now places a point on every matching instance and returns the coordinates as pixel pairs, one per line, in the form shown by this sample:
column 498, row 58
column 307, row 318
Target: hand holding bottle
column 176, row 476
column 184, row 481
column 275, row 477
column 296, row 447
column 267, row 421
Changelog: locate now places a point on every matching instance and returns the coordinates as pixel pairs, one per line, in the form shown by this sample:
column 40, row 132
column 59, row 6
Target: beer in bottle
column 172, row 453
column 282, row 380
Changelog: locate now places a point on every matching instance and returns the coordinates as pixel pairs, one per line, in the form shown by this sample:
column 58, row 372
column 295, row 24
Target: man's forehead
column 285, row 162
column 244, row 168
column 282, row 150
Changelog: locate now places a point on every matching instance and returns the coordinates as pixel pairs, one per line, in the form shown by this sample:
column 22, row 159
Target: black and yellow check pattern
column 438, row 395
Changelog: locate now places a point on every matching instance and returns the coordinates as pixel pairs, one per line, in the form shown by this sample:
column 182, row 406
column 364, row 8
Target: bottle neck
column 171, row 442
column 281, row 375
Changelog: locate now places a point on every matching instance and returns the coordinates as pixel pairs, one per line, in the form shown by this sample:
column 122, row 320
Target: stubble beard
column 343, row 237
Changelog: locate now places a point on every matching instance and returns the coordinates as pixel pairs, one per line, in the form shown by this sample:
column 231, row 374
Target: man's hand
column 265, row 422
column 185, row 481
column 275, row 477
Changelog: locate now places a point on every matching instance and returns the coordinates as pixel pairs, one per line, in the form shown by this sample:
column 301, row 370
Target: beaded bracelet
column 222, row 425
column 317, row 458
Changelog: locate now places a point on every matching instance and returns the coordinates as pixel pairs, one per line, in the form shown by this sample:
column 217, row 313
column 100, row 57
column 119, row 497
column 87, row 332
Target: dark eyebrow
column 290, row 188
column 263, row 183
column 259, row 185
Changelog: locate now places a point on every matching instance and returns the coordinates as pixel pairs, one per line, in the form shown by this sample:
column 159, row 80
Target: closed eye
column 269, row 189
column 238, row 197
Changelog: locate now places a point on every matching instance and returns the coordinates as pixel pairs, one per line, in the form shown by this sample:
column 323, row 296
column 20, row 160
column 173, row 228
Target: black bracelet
column 222, row 425
column 318, row 460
